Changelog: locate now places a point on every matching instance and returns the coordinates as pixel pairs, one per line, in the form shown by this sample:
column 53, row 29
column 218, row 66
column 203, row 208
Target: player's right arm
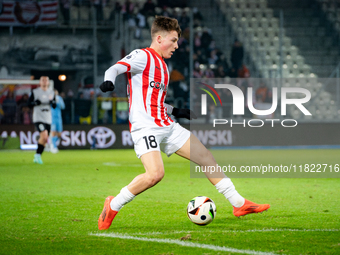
column 135, row 62
column 180, row 113
column 110, row 77
column 32, row 102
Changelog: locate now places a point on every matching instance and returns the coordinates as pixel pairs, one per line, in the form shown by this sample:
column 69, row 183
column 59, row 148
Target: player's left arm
column 53, row 102
column 180, row 113
column 135, row 62
column 111, row 75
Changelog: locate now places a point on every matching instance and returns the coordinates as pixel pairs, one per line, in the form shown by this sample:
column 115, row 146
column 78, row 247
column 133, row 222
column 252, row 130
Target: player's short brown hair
column 167, row 24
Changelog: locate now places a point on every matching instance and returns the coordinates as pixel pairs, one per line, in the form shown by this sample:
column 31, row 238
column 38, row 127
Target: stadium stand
column 309, row 43
column 256, row 26
column 308, row 31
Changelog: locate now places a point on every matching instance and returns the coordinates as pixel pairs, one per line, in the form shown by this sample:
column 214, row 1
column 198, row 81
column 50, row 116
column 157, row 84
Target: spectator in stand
column 262, row 93
column 212, row 60
column 220, row 72
column 176, row 14
column 197, row 71
column 243, row 72
column 9, row 106
column 184, row 20
column 118, row 7
column 23, row 111
column 166, row 12
column 202, row 59
column 198, row 18
column 197, row 42
column 70, row 93
column 99, row 9
column 206, row 39
column 26, row 115
column 141, row 23
column 232, row 73
column 212, row 45
column 237, row 53
column 23, row 100
column 222, row 61
column 127, row 10
column 208, row 73
column 149, row 8
column 65, row 10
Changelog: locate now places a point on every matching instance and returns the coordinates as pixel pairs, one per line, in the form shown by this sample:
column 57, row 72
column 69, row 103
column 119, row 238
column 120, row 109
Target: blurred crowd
column 15, row 110
column 209, row 62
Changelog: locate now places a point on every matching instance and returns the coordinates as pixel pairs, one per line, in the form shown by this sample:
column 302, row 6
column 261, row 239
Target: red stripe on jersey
column 155, row 91
column 125, row 64
column 130, row 90
column 146, row 78
column 167, row 120
column 164, row 117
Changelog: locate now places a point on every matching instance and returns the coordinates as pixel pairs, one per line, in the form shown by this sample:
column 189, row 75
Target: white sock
column 227, row 188
column 124, row 197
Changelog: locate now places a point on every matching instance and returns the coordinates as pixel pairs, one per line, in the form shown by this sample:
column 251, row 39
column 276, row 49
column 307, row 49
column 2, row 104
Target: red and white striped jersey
column 148, row 77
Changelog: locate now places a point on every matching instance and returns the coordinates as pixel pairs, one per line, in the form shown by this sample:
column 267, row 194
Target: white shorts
column 167, row 139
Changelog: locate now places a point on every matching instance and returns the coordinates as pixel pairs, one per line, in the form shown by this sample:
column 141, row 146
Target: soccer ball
column 201, row 210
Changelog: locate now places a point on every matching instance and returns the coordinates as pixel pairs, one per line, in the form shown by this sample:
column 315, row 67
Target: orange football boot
column 107, row 215
column 249, row 207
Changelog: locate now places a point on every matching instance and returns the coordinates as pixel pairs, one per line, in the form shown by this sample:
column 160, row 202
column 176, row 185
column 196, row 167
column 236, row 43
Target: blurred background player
column 153, row 131
column 41, row 99
column 57, row 122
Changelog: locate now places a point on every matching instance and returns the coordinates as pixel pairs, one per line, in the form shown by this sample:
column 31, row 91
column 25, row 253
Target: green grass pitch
column 53, row 208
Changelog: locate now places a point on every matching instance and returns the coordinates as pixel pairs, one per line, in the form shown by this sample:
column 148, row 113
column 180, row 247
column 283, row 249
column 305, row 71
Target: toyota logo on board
column 105, row 137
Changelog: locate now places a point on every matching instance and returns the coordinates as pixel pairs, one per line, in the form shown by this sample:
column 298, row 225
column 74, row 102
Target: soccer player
column 41, row 99
column 152, row 131
column 57, row 122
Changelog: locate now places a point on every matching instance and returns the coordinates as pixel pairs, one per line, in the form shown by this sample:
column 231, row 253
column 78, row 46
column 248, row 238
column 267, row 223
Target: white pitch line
column 183, row 243
column 238, row 231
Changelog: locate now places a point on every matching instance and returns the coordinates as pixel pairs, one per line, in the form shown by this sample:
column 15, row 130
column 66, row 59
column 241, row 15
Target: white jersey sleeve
column 135, row 62
column 113, row 72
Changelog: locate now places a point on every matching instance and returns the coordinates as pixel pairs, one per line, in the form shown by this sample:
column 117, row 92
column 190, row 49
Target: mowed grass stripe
column 52, row 208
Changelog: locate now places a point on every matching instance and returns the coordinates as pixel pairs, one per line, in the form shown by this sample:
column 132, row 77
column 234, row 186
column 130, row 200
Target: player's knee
column 155, row 177
column 44, row 138
column 206, row 158
column 205, row 154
